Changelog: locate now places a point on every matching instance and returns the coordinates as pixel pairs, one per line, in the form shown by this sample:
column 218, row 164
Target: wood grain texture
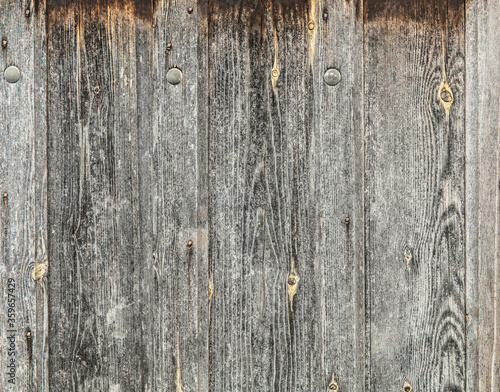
column 483, row 182
column 180, row 268
column 252, row 228
column 286, row 271
column 100, row 279
column 23, row 182
column 415, row 196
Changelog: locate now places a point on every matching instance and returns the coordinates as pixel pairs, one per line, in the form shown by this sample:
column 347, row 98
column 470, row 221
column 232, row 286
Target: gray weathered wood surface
column 252, row 228
column 23, row 181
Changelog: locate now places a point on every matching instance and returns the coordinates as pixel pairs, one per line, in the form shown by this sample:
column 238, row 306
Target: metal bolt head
column 12, row 74
column 174, row 76
column 332, row 77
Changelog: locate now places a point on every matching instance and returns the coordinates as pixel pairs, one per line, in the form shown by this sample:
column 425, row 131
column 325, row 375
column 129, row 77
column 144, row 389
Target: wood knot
column 40, row 271
column 4, row 43
column 275, row 73
column 333, row 386
column 407, row 387
column 445, row 96
column 5, row 195
column 347, row 220
column 169, row 46
column 189, row 244
column 310, row 25
column 292, row 283
column 190, row 10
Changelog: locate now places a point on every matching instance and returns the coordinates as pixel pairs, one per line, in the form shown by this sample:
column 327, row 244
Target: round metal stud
column 12, row 74
column 174, row 76
column 332, row 77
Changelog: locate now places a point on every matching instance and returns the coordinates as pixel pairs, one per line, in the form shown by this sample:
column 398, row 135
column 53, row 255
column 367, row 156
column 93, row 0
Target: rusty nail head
column 332, row 77
column 174, row 76
column 12, row 74
column 190, row 10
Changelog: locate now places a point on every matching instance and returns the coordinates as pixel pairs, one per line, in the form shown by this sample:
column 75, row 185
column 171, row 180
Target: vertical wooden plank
column 415, row 193
column 337, row 165
column 23, row 176
column 202, row 151
column 483, row 182
column 100, row 279
column 179, row 244
column 285, row 159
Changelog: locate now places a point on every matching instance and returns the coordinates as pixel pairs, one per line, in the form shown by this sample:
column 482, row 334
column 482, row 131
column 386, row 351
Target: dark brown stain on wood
column 142, row 9
column 280, row 10
column 440, row 11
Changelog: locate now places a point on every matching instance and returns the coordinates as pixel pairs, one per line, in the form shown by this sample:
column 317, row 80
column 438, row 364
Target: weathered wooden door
column 250, row 195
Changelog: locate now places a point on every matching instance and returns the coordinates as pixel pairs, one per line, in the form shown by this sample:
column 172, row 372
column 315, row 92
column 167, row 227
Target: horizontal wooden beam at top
column 251, row 228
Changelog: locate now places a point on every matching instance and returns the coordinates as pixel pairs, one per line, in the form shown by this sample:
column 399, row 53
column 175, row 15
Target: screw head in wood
column 12, row 74
column 174, row 76
column 332, row 77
